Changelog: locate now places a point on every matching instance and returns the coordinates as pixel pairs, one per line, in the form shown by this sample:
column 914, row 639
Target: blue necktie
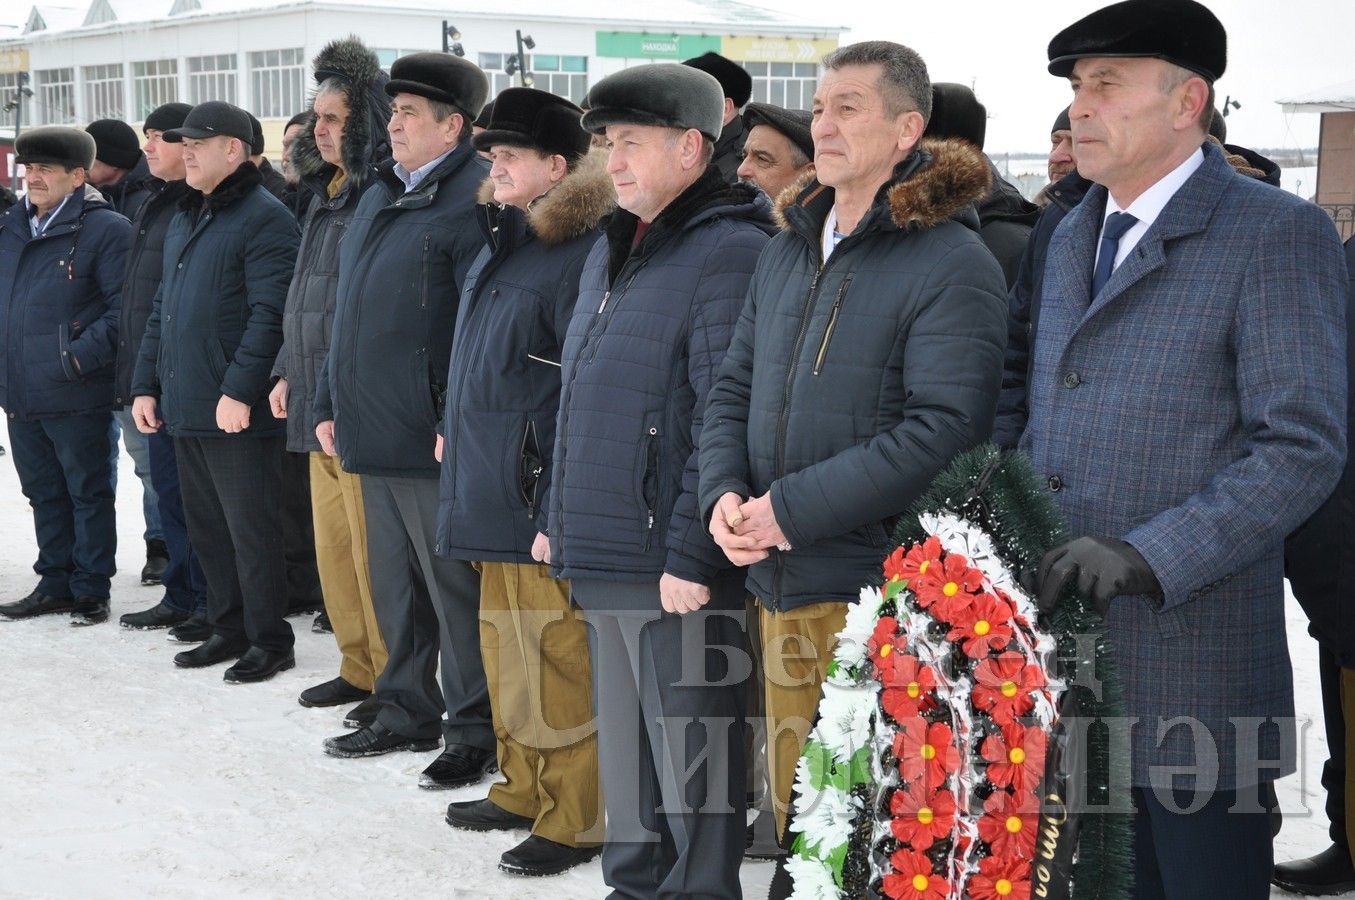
column 1116, row 225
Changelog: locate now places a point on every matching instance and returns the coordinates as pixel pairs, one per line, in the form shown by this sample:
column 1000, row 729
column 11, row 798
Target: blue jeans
column 183, row 581
column 135, row 442
column 64, row 470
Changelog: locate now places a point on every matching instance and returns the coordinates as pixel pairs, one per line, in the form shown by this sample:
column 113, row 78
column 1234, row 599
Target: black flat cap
column 215, row 118
column 957, row 113
column 1183, row 32
column 115, row 143
column 56, row 145
column 526, row 117
column 663, row 94
column 163, row 118
column 442, row 77
column 793, row 123
column 734, row 78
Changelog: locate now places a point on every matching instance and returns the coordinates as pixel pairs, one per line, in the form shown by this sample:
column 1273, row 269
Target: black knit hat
column 115, row 143
column 957, row 113
column 1183, row 32
column 256, row 144
column 793, row 123
column 163, row 118
column 526, row 117
column 442, row 77
column 1063, row 122
column 662, row 94
column 734, row 78
column 58, row 145
column 215, row 118
column 1218, row 127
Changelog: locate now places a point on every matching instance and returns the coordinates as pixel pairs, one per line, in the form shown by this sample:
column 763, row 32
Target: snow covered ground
column 122, row 776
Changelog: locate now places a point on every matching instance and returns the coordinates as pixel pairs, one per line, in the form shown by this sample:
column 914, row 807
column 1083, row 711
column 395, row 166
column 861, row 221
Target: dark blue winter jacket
column 503, row 386
column 59, row 299
column 650, row 329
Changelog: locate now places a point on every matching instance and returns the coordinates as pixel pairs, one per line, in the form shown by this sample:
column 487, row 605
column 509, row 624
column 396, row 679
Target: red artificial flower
column 926, row 752
column 908, row 687
column 986, row 626
column 920, row 818
column 1009, row 824
column 914, row 878
column 881, row 643
column 1016, row 757
column 1003, row 686
column 910, row 563
column 945, row 588
column 1000, row 878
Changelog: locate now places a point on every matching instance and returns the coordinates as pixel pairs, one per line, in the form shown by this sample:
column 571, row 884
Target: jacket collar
column 82, row 200
column 577, row 205
column 236, row 185
column 427, row 189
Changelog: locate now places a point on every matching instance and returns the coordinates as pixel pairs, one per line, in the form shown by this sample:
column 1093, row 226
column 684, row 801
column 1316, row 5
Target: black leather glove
column 1103, row 569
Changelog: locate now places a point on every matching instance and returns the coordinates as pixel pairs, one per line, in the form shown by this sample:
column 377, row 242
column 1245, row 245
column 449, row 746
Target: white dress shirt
column 413, row 179
column 1148, row 206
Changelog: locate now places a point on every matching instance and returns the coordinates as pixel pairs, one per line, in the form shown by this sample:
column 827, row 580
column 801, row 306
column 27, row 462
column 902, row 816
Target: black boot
column 157, row 560
column 89, row 611
column 321, row 624
column 541, row 856
column 374, row 740
column 193, row 630
column 1330, row 872
column 482, row 815
column 334, row 692
column 458, row 766
column 36, row 604
column 161, row 615
column 216, row 650
column 364, row 714
column 259, row 664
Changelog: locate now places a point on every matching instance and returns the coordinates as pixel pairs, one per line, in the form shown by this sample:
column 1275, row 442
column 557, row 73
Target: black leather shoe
column 89, row 611
column 193, row 630
column 301, row 606
column 157, row 560
column 458, row 766
column 259, row 664
column 481, row 815
column 334, row 692
column 161, row 615
column 36, row 604
column 760, row 839
column 1330, row 872
column 538, row 856
column 321, row 624
column 364, row 714
column 216, row 650
column 374, row 740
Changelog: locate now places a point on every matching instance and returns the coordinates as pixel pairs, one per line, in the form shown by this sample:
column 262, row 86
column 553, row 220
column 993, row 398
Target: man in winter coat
column 1005, row 217
column 658, row 298
column 779, row 149
column 185, row 596
column 342, row 141
column 1187, row 406
column 540, row 211
column 1060, row 162
column 378, row 402
column 1317, row 561
column 737, row 86
column 63, row 252
column 867, row 356
column 202, row 375
column 122, row 175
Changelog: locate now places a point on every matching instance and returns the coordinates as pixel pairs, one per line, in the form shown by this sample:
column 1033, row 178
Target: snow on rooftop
column 1332, row 98
column 54, row 18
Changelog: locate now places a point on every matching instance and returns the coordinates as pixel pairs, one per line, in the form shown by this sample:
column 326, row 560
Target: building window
column 277, row 80
column 55, row 96
column 564, row 76
column 155, row 84
column 212, row 78
column 791, row 85
column 104, row 95
column 387, row 57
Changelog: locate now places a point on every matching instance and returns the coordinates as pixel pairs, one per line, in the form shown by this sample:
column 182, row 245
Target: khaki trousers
column 535, row 651
column 341, row 558
column 797, row 646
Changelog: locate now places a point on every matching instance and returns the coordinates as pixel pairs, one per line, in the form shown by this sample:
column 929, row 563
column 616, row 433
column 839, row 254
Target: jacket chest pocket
column 647, row 483
column 425, row 270
column 833, row 314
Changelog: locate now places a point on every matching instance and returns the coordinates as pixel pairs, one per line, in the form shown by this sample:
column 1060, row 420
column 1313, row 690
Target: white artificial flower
column 852, row 640
column 845, row 714
column 825, row 819
column 813, row 879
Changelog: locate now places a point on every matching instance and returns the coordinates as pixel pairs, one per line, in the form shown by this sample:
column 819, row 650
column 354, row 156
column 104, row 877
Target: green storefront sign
column 650, row 45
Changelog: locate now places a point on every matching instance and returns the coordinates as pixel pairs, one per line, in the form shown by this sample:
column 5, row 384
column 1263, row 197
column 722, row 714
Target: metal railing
column 1343, row 214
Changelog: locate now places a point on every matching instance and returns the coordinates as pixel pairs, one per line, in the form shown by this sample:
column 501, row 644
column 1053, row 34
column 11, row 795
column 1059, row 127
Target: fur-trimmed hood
column 940, row 180
column 365, row 142
column 579, row 203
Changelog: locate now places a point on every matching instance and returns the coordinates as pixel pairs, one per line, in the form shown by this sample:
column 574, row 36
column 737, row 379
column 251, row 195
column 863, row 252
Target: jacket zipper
column 529, row 439
column 832, row 323
column 651, row 468
column 423, row 275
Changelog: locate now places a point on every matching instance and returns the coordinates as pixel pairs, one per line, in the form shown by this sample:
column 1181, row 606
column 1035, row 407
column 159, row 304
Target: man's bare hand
column 146, row 415
column 759, row 523
column 742, row 551
column 324, row 433
column 232, row 416
column 277, row 399
column 680, row 596
column 541, row 549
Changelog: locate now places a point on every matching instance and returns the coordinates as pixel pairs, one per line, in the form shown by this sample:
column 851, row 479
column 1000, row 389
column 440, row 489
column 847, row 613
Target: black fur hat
column 957, row 113
column 350, row 64
column 442, row 77
column 663, row 94
column 1183, row 32
column 55, row 145
column 526, row 117
column 734, row 78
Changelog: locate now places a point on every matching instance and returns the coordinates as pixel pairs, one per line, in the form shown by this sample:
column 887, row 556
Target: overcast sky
column 1276, row 49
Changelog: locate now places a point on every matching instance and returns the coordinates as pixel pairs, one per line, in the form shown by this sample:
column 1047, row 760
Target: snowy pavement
column 122, row 776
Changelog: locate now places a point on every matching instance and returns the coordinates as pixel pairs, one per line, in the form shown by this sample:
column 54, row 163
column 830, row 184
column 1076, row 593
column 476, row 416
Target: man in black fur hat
column 737, row 86
column 341, row 141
